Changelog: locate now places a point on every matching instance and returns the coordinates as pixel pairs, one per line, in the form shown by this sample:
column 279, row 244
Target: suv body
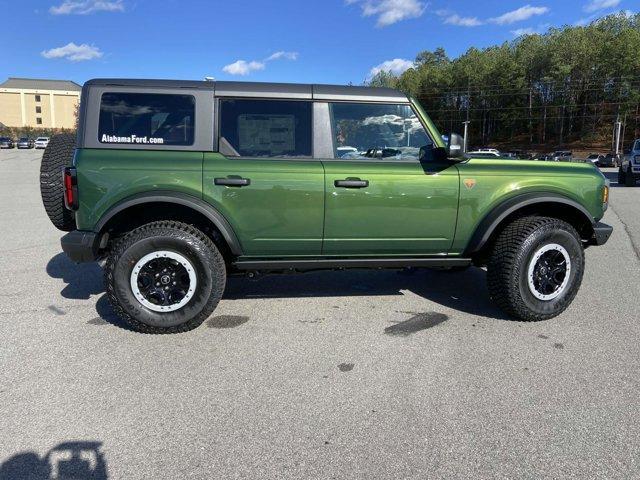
column 285, row 177
column 629, row 171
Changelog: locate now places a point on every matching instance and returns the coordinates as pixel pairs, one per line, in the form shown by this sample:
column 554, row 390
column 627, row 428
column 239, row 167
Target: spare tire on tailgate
column 58, row 154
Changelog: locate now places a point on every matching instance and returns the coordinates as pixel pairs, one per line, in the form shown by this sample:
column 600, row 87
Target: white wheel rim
column 531, row 273
column 163, row 254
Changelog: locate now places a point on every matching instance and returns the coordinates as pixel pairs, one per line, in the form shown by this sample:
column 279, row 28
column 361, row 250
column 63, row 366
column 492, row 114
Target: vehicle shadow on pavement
column 82, row 280
column 69, row 460
column 464, row 291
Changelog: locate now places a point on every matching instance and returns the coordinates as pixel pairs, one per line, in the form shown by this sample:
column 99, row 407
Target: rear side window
column 146, row 119
column 265, row 128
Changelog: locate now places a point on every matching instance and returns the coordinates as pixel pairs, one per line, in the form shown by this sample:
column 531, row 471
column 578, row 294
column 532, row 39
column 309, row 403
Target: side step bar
column 338, row 263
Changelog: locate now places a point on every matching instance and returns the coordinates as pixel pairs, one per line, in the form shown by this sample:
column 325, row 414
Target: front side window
column 377, row 131
column 146, row 119
column 265, row 128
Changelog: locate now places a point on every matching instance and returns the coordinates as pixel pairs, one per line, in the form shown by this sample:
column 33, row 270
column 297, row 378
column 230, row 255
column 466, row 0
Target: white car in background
column 494, row 151
column 42, row 142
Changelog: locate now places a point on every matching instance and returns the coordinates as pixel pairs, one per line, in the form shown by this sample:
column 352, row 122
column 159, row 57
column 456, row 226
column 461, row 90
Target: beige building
column 27, row 102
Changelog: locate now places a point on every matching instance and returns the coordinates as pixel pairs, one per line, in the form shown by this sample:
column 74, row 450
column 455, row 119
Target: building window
column 38, row 98
column 39, row 121
column 38, row 109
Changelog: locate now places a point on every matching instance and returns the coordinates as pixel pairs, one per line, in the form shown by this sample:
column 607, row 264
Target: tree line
column 565, row 87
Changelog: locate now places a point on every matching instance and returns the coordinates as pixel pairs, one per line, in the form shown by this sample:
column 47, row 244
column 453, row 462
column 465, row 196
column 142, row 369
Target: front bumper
column 601, row 233
column 81, row 246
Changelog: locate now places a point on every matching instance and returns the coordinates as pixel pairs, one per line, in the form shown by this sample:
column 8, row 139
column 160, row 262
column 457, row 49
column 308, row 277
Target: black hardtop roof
column 262, row 90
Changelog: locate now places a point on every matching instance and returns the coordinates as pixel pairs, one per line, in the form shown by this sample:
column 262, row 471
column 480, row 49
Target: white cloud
column 595, row 5
column 282, row 55
column 397, row 66
column 73, row 52
column 519, row 32
column 540, row 29
column 85, row 7
column 455, row 19
column 389, row 12
column 242, row 67
column 522, row 13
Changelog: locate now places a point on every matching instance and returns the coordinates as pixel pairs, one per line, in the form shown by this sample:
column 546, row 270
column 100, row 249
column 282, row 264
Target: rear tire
column 629, row 179
column 525, row 274
column 165, row 277
column 57, row 155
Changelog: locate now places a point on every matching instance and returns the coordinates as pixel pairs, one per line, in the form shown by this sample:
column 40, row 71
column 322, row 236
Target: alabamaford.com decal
column 131, row 139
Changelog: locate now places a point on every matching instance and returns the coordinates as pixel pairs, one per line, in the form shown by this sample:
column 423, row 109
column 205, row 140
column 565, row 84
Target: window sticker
column 274, row 134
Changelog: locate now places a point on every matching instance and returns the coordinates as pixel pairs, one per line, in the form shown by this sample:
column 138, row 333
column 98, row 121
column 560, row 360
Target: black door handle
column 232, row 181
column 351, row 183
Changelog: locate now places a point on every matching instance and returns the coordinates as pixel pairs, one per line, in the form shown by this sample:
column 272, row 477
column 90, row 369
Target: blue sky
column 319, row 41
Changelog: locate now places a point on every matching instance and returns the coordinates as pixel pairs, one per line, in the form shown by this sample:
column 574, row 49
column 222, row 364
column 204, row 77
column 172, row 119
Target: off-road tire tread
column 175, row 229
column 503, row 291
column 58, row 154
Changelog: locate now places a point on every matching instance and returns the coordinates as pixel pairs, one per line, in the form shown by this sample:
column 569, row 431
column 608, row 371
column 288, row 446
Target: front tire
column 621, row 177
column 536, row 268
column 165, row 277
column 629, row 178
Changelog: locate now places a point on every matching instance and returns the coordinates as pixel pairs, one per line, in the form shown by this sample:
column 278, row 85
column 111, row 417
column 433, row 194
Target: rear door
column 264, row 179
column 380, row 198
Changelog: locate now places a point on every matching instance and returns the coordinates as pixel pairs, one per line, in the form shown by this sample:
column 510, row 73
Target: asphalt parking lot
column 325, row 375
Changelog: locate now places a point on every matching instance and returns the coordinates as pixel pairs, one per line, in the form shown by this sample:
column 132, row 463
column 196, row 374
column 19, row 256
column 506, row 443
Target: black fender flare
column 495, row 217
column 177, row 198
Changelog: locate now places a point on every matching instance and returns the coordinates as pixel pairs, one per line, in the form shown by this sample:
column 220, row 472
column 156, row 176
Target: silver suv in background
column 629, row 170
column 562, row 156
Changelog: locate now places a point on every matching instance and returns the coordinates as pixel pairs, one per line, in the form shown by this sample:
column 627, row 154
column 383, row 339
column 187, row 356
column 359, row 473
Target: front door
column 264, row 180
column 380, row 198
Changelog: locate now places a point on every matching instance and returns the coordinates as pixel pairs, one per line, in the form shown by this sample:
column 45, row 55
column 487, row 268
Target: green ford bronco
column 174, row 185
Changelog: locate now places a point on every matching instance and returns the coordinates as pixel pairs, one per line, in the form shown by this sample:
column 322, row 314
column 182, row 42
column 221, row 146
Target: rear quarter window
column 146, row 119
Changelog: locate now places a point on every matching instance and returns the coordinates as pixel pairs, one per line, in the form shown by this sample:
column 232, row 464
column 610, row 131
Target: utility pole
column 466, row 136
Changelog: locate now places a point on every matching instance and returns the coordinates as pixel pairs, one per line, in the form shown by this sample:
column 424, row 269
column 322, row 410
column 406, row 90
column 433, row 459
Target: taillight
column 70, row 180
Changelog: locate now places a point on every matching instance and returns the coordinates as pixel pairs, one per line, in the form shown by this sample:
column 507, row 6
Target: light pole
column 466, row 132
column 618, row 129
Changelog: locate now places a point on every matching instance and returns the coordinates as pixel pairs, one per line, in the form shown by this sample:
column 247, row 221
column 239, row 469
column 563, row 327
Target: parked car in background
column 562, row 156
column 42, row 142
column 629, row 170
column 6, row 142
column 489, row 150
column 25, row 142
column 484, row 153
column 595, row 158
column 609, row 160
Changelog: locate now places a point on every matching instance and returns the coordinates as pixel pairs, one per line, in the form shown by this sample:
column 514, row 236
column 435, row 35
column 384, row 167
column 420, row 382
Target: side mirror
column 455, row 146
